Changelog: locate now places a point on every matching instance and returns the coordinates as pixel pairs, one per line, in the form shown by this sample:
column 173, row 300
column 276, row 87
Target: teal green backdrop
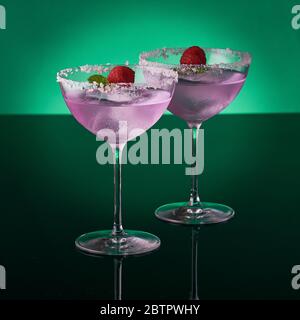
column 43, row 37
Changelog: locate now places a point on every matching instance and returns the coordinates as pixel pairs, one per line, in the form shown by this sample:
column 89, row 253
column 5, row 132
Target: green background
column 43, row 37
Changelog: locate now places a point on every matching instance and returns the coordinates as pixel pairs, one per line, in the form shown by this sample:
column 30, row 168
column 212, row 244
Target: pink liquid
column 124, row 119
column 200, row 97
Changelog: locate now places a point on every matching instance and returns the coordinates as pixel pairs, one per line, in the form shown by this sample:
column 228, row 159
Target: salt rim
column 167, row 77
column 245, row 59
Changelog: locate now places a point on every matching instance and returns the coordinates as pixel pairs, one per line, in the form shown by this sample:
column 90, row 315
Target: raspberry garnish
column 121, row 74
column 193, row 55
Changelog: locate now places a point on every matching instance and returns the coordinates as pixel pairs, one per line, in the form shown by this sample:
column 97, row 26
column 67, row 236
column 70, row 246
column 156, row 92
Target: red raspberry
column 195, row 50
column 121, row 74
column 193, row 55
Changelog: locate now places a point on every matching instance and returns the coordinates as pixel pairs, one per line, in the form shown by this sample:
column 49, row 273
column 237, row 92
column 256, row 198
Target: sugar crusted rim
column 245, row 58
column 62, row 76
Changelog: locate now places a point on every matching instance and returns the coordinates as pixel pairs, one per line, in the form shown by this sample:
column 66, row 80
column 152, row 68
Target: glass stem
column 117, row 226
column 194, row 194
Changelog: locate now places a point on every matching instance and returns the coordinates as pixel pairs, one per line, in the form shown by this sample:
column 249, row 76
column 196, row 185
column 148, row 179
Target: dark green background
column 52, row 190
column 43, row 37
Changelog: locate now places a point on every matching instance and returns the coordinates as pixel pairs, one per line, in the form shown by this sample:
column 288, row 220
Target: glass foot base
column 201, row 214
column 129, row 243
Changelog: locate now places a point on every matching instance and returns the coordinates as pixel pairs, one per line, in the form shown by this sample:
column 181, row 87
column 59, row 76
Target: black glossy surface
column 52, row 190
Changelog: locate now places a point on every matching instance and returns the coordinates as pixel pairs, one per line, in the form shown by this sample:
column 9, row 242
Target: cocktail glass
column 117, row 113
column 202, row 91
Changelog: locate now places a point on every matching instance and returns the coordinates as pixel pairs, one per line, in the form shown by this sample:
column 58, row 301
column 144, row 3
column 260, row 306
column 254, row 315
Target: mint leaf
column 98, row 79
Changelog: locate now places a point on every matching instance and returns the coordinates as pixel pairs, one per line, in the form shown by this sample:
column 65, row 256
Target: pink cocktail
column 208, row 81
column 117, row 111
column 200, row 97
column 139, row 108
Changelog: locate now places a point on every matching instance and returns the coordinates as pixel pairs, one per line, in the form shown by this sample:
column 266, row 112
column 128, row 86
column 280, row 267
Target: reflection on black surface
column 118, row 262
column 194, row 264
column 73, row 207
column 118, row 272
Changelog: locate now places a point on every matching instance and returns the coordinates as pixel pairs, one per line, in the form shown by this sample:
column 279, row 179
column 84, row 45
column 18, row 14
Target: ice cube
column 118, row 97
column 213, row 75
column 94, row 94
column 112, row 96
